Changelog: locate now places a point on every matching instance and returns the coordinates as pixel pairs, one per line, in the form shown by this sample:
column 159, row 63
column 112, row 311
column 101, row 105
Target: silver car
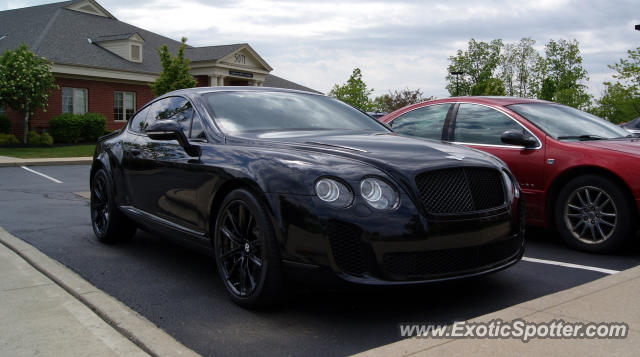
column 632, row 126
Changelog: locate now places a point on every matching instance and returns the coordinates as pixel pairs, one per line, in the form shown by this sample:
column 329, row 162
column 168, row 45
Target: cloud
column 396, row 44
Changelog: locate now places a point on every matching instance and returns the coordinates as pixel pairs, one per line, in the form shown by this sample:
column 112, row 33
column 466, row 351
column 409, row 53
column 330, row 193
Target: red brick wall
column 100, row 100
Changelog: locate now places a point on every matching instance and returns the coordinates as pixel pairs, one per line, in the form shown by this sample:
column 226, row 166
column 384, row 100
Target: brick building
column 103, row 65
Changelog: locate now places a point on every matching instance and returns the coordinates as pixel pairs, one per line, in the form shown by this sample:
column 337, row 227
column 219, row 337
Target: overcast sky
column 396, row 44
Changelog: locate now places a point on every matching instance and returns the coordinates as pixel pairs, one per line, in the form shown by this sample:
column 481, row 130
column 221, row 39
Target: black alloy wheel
column 100, row 205
column 245, row 251
column 109, row 224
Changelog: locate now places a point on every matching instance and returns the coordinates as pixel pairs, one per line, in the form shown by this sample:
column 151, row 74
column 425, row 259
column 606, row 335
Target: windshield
column 566, row 123
column 247, row 111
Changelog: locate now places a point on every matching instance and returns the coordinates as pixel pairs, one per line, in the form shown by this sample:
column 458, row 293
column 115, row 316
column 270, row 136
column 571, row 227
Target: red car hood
column 629, row 146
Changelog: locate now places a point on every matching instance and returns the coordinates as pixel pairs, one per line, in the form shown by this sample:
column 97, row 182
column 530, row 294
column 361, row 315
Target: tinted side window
column 478, row 124
column 138, row 121
column 174, row 108
column 425, row 122
column 197, row 129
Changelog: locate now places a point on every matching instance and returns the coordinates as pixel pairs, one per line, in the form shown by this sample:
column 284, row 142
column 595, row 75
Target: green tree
column 25, row 82
column 628, row 69
column 620, row 101
column 175, row 71
column 478, row 64
column 488, row 86
column 397, row 99
column 560, row 75
column 354, row 92
column 517, row 66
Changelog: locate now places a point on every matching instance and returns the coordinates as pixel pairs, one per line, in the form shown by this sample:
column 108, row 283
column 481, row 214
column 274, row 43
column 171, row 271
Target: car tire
column 593, row 214
column 109, row 224
column 246, row 251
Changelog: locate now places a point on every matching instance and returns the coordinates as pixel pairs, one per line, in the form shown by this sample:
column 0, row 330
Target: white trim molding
column 103, row 73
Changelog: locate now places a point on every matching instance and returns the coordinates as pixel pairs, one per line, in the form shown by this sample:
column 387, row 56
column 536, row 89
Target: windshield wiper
column 582, row 137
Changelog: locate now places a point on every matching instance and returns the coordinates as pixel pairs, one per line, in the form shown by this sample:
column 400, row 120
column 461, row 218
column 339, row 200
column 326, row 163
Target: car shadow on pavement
column 179, row 289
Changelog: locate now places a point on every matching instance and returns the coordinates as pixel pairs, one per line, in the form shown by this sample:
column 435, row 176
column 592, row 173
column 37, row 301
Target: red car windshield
column 566, row 123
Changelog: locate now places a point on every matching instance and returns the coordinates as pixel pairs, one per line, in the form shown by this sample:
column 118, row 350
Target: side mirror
column 171, row 130
column 517, row 137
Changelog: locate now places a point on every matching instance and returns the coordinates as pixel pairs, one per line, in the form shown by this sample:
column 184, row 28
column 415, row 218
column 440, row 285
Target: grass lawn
column 54, row 151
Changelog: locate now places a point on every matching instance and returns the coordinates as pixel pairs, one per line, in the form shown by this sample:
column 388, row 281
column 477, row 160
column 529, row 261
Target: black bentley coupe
column 274, row 179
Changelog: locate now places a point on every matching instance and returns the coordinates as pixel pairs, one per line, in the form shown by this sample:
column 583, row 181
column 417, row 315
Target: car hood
column 390, row 152
column 627, row 146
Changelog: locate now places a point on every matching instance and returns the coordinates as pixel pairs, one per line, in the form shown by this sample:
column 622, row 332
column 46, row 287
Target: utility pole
column 457, row 73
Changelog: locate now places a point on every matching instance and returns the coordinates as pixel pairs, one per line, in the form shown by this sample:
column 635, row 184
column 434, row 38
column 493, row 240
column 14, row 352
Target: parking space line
column 569, row 265
column 41, row 174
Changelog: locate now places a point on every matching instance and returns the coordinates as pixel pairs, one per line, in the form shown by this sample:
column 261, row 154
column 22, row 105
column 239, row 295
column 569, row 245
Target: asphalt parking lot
column 179, row 290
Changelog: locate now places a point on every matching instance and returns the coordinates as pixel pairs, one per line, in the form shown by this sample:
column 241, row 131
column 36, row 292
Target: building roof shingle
column 278, row 82
column 65, row 36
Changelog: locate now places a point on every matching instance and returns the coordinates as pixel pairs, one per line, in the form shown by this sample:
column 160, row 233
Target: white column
column 221, row 81
column 260, row 83
column 213, row 81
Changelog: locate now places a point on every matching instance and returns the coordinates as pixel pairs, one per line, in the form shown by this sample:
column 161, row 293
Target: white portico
column 230, row 65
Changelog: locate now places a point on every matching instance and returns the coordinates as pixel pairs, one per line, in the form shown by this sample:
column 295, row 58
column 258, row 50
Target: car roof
column 495, row 100
column 203, row 90
column 634, row 123
column 487, row 100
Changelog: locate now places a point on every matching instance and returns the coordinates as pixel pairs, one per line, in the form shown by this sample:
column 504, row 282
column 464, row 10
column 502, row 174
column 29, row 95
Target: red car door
column 480, row 127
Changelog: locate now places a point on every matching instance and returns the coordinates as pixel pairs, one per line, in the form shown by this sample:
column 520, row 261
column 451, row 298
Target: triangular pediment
column 89, row 7
column 246, row 57
column 136, row 37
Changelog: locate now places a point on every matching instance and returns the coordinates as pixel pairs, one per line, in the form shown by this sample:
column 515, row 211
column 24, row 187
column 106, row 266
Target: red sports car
column 577, row 171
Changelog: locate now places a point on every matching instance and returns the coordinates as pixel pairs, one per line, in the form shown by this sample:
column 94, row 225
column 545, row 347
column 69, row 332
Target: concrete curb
column 130, row 324
column 546, row 307
column 11, row 162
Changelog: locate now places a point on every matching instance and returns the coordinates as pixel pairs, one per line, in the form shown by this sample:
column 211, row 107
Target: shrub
column 33, row 138
column 8, row 139
column 66, row 128
column 93, row 126
column 71, row 128
column 46, row 139
column 5, row 124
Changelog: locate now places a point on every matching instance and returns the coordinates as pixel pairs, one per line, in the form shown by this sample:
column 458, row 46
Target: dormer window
column 125, row 45
column 135, row 53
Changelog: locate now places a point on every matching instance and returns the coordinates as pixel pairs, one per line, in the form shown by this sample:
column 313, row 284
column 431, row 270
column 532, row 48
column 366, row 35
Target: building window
column 123, row 105
column 135, row 53
column 74, row 100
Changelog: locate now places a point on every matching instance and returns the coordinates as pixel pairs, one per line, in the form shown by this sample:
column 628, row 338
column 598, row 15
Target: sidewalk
column 613, row 298
column 46, row 309
column 6, row 161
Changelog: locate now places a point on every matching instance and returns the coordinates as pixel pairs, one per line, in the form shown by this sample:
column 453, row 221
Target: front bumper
column 366, row 246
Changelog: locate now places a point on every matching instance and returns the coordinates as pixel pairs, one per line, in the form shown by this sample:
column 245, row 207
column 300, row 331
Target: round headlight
column 378, row 194
column 333, row 192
